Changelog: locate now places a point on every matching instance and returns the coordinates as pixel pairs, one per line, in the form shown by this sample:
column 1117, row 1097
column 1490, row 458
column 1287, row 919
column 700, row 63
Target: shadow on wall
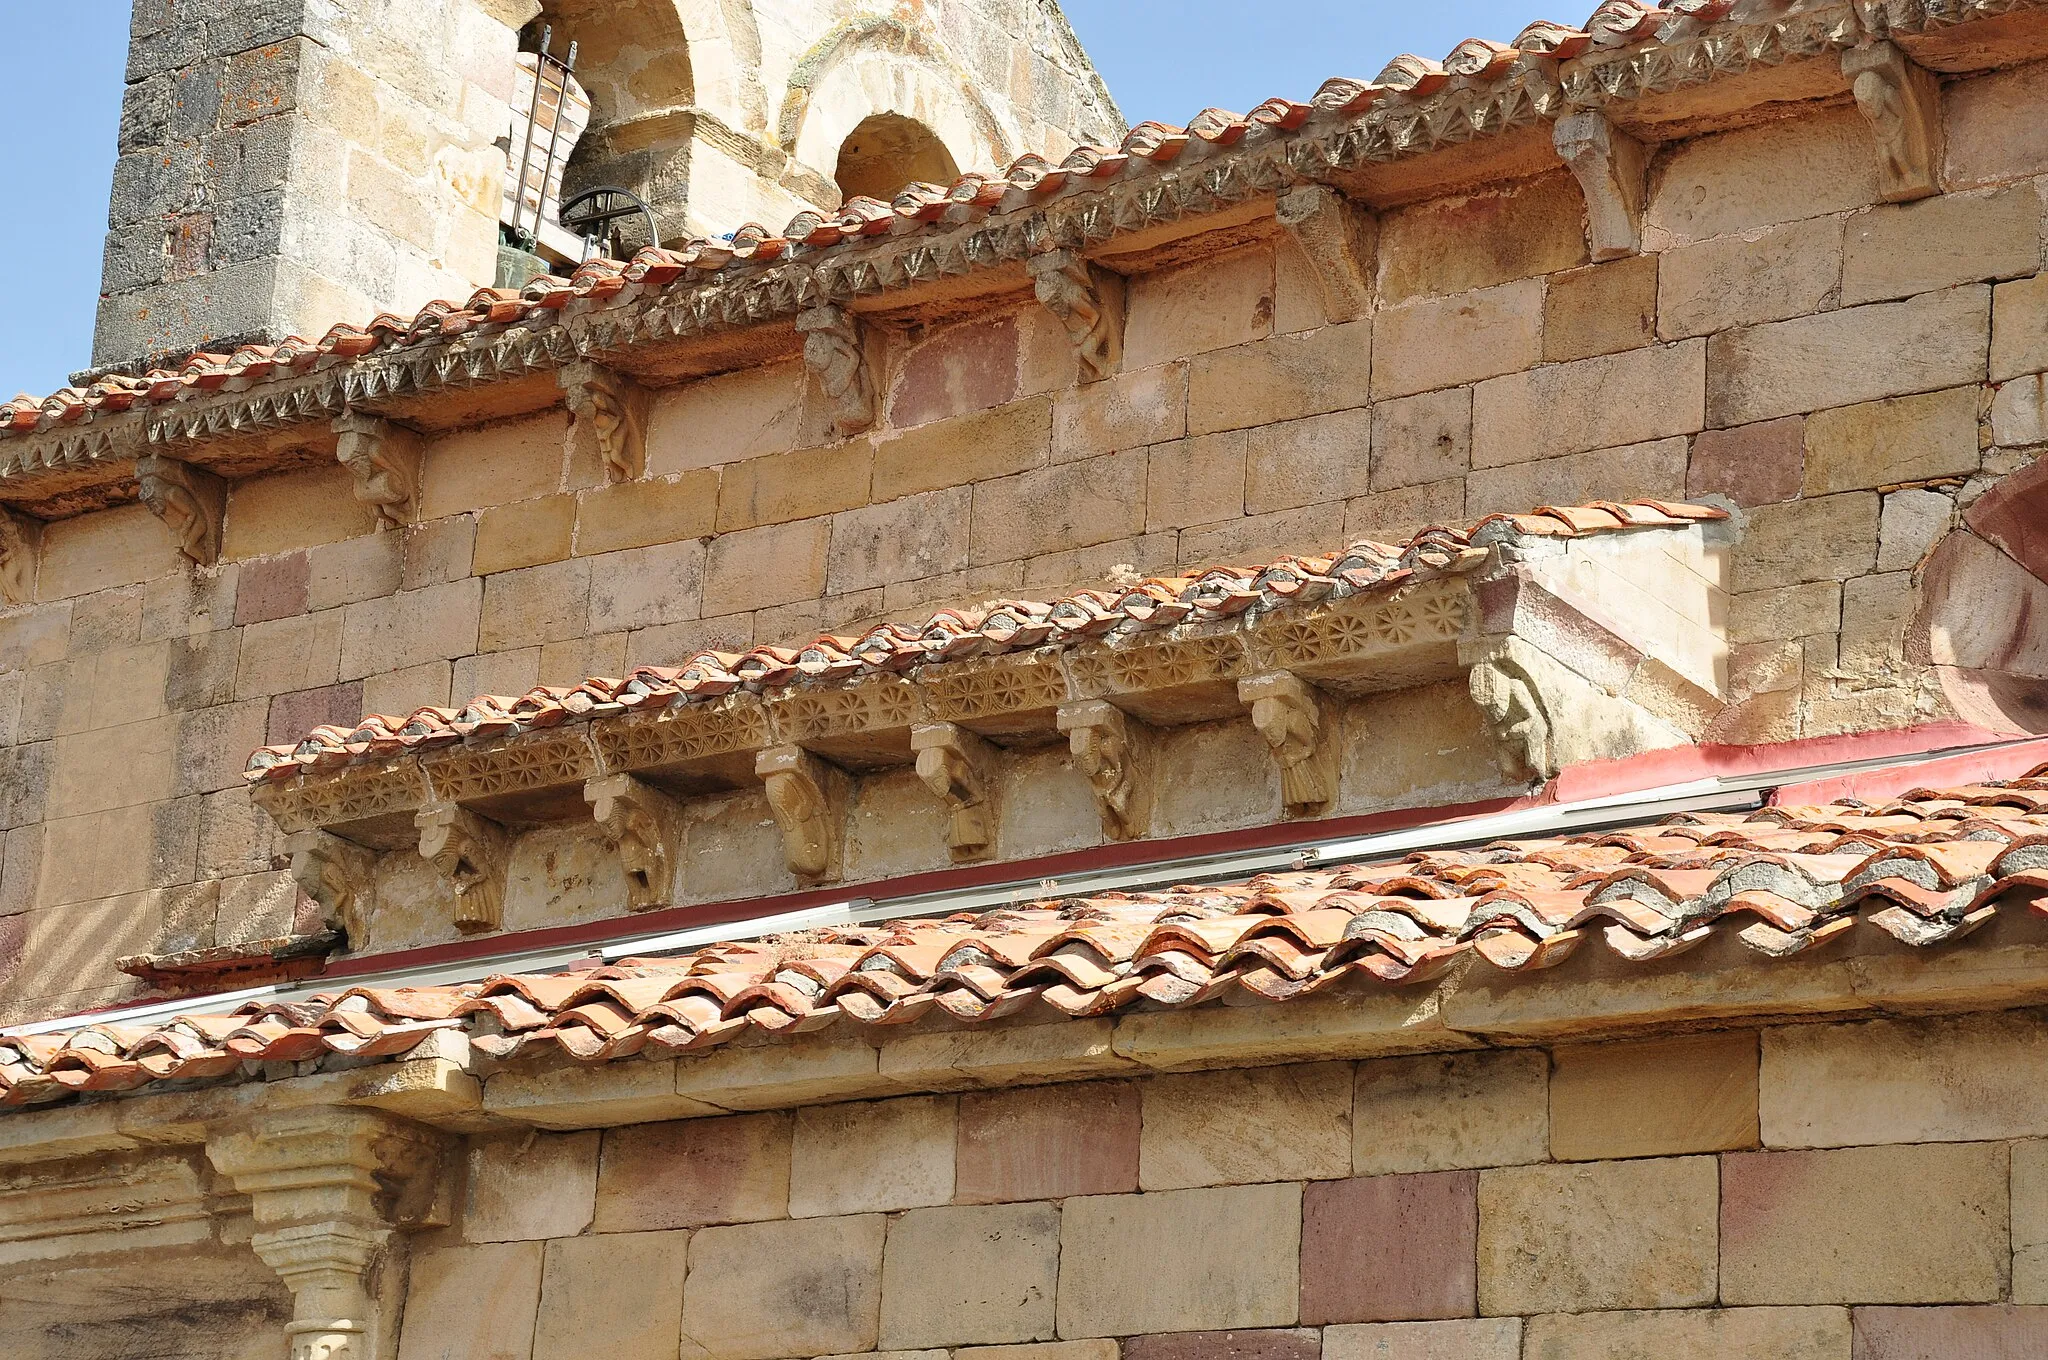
column 1982, row 621
column 888, row 151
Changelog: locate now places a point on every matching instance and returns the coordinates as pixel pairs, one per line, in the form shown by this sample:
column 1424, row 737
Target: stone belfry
column 287, row 164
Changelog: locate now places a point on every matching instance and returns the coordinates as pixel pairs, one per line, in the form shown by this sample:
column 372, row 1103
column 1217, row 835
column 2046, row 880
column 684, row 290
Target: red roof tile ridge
column 1210, row 594
column 1515, row 905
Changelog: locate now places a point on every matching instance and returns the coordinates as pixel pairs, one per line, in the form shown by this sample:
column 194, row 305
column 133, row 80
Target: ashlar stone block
column 472, row 1303
column 1469, row 1339
column 1451, row 1111
column 1449, row 341
column 1693, row 1334
column 2030, row 1222
column 1181, row 1260
column 1988, row 1333
column 1247, row 1125
column 799, row 1287
column 974, row 1275
column 614, row 1294
column 881, row 1155
column 1886, row 443
column 1273, row 1343
column 522, row 1189
column 1598, row 1235
column 1901, row 249
column 1569, row 408
column 1898, row 1224
column 693, row 1172
column 1389, row 1248
column 1048, row 1142
column 1656, row 1098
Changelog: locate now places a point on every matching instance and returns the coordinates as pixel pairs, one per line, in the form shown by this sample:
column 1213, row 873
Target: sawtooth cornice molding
column 71, row 451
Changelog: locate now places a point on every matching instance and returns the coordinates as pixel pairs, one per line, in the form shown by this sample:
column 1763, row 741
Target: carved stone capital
column 21, row 541
column 191, row 502
column 470, row 852
column 1902, row 103
column 643, row 826
column 1611, row 169
column 616, row 408
column 1341, row 242
column 337, row 874
column 326, row 1188
column 835, row 353
column 1088, row 304
column 1114, row 752
column 960, row 768
column 806, row 796
column 1289, row 715
column 384, row 460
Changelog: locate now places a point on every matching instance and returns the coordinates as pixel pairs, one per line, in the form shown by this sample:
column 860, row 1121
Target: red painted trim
column 2015, row 761
column 1598, row 779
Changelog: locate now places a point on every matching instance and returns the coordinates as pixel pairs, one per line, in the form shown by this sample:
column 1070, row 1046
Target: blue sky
column 1163, row 59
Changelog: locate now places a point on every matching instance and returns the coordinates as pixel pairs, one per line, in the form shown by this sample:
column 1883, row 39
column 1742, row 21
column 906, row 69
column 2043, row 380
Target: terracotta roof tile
column 1027, row 183
column 1782, row 880
column 1216, row 594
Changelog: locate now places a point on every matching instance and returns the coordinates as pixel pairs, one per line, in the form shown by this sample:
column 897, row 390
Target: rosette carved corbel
column 616, row 408
column 20, row 546
column 960, row 768
column 191, row 502
column 1289, row 715
column 643, row 826
column 1088, row 302
column 470, row 852
column 1341, row 242
column 807, row 797
column 1902, row 104
column 836, row 354
column 384, row 460
column 1113, row 751
column 337, row 874
column 1611, row 168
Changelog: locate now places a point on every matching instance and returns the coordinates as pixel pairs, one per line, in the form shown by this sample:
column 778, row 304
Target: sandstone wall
column 1827, row 361
column 1874, row 1190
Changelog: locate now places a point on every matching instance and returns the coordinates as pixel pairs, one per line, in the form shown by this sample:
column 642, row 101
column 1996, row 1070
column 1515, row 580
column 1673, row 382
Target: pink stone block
column 1047, row 1142
column 1390, row 1248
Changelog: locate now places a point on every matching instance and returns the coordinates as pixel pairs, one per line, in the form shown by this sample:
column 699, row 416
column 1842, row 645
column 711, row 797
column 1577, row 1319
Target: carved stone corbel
column 1087, row 303
column 1341, row 242
column 1902, row 103
column 384, row 459
column 616, row 408
column 1611, row 169
column 1512, row 701
column 338, row 875
column 960, row 768
column 806, row 796
column 328, row 1187
column 470, row 852
column 1114, row 752
column 20, row 545
column 1289, row 715
column 642, row 825
column 191, row 502
column 835, row 353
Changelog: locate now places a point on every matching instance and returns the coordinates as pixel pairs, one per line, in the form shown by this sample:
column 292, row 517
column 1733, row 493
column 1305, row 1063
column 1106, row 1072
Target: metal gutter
column 1726, row 793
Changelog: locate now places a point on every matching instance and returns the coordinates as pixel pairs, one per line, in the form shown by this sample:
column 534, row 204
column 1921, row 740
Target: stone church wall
column 1848, row 372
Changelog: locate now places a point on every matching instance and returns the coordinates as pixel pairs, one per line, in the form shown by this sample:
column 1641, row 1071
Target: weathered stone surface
column 1048, row 1142
column 522, row 1189
column 496, row 465
column 1693, row 1334
column 1421, row 439
column 436, row 623
column 970, row 1276
column 1884, row 443
column 1767, row 274
column 1449, row 341
column 1656, row 471
column 1253, row 1124
column 1181, row 1260
column 1757, row 177
column 1471, row 1339
column 524, row 534
column 1071, row 505
column 774, row 564
column 1045, row 1350
column 1600, row 309
column 1992, row 135
column 1196, row 481
column 2019, row 340
column 1465, row 242
column 1389, row 1248
column 1597, row 1236
column 998, row 443
column 1752, row 464
column 1126, row 411
column 891, row 1154
column 1211, row 305
column 1451, row 1111
column 1900, row 249
column 799, row 1287
column 1904, row 1081
column 784, row 486
column 656, row 510
column 1656, row 1098
column 2030, row 1222
column 614, row 1294
column 1287, row 1343
column 1991, row 1333
column 1924, row 1224
column 1305, row 462
column 1283, row 378
column 1568, row 408
column 726, row 419
column 1913, row 521
column 472, row 1303
column 1859, row 354
column 693, row 1173
column 1828, row 538
column 2019, row 413
column 906, row 540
